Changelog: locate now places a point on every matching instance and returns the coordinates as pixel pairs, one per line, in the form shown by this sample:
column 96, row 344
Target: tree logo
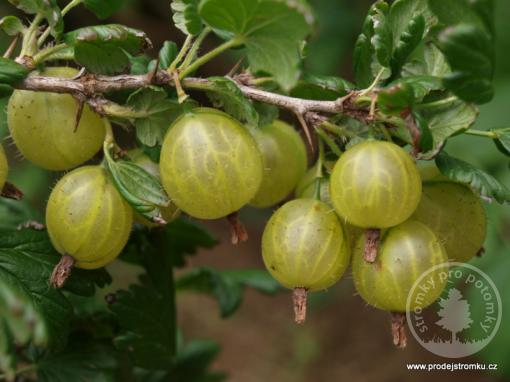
column 464, row 319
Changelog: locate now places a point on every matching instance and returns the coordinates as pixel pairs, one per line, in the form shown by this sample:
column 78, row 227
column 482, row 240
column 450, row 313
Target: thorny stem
column 209, row 56
column 299, row 297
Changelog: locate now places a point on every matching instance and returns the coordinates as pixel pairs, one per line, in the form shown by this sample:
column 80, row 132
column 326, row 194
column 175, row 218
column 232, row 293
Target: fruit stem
column 209, row 56
column 184, row 49
column 398, row 329
column 318, row 173
column 237, row 229
column 372, row 239
column 28, row 47
column 299, row 297
column 192, row 52
column 373, row 84
column 62, row 271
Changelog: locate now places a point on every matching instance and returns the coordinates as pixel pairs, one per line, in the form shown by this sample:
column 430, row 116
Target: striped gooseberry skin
column 210, row 165
column 87, row 218
column 285, row 161
column 169, row 213
column 42, row 126
column 4, row 167
column 457, row 217
column 375, row 185
column 405, row 253
column 304, row 245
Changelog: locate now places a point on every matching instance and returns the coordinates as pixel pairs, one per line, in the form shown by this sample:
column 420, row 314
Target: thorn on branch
column 12, row 47
column 306, row 129
column 235, row 67
column 10, row 191
column 80, row 100
column 152, row 74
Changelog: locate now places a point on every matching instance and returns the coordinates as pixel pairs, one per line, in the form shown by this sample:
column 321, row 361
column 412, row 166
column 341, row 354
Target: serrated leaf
column 32, row 309
column 363, row 61
column 226, row 94
column 186, row 17
column 454, row 12
column 11, row 25
column 157, row 114
column 104, row 48
column 408, row 42
column 427, row 60
column 271, row 31
column 80, row 361
column 502, row 140
column 484, row 184
column 11, row 72
column 104, row 9
column 397, row 98
column 470, row 53
column 381, row 39
column 49, row 9
column 325, row 88
column 226, row 286
column 402, row 12
column 449, row 120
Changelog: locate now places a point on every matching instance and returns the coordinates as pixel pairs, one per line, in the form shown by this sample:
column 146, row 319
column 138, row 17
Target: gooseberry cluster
column 371, row 205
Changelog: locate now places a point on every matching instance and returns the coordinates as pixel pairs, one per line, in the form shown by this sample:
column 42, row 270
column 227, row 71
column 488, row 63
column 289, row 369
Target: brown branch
column 91, row 86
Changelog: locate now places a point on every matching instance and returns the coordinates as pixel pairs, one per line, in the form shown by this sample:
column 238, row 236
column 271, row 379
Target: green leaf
column 226, row 94
column 402, row 13
column 142, row 190
column 453, row 12
column 32, row 310
column 104, row 49
column 409, row 41
column 427, row 60
column 186, row 17
column 382, row 36
column 167, row 54
column 156, row 111
column 484, row 184
column 502, row 140
column 325, row 88
column 395, row 99
column 11, row 72
column 449, row 120
column 422, row 85
column 426, row 142
column 11, row 25
column 470, row 53
column 79, row 361
column 271, row 30
column 363, row 61
column 226, row 286
column 104, row 9
column 49, row 9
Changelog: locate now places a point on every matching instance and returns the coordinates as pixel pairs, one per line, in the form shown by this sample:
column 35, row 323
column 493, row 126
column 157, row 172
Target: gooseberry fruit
column 304, row 247
column 375, row 184
column 284, row 159
column 405, row 253
column 457, row 217
column 4, row 167
column 43, row 126
column 210, row 165
column 87, row 218
column 169, row 213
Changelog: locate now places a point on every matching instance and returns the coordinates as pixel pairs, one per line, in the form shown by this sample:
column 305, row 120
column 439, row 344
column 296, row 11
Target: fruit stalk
column 299, row 297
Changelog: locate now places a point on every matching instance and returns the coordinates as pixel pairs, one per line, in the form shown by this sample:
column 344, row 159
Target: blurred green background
column 343, row 339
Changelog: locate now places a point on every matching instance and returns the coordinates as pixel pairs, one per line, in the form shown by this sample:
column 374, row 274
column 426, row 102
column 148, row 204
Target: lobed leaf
column 11, row 25
column 409, row 41
column 484, row 184
column 104, row 9
column 104, row 49
column 271, row 31
column 11, row 72
column 186, row 17
column 225, row 94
